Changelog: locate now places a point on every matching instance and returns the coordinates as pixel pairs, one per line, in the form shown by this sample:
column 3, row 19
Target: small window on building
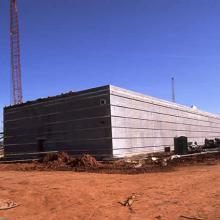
column 103, row 101
column 102, row 122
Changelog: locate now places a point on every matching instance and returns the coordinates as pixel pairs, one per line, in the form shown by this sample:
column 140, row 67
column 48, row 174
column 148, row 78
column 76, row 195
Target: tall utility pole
column 173, row 89
column 16, row 85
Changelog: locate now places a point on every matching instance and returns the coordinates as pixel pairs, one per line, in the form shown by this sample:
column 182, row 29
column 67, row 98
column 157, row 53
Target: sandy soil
column 192, row 191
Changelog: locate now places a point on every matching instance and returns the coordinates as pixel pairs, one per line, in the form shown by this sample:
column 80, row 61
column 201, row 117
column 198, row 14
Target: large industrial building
column 106, row 122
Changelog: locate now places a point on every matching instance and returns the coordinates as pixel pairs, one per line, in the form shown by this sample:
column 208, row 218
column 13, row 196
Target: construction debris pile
column 183, row 147
column 209, row 145
column 59, row 161
column 63, row 161
column 144, row 163
column 156, row 162
column 185, row 153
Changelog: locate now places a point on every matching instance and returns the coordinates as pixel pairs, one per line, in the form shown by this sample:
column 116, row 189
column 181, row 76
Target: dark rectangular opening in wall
column 40, row 145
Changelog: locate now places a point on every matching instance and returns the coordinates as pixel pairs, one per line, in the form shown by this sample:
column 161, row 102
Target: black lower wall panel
column 77, row 123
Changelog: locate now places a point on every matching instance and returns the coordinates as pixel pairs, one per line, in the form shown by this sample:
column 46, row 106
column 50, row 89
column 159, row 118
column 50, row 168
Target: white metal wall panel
column 143, row 124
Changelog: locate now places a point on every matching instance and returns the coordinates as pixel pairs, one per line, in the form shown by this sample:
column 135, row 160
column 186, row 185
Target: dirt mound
column 61, row 157
column 88, row 161
column 56, row 161
column 63, row 160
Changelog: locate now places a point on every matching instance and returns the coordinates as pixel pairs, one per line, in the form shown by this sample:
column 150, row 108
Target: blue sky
column 136, row 44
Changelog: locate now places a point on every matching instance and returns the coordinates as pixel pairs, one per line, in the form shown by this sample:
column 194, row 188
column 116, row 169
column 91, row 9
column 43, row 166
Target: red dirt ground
column 192, row 191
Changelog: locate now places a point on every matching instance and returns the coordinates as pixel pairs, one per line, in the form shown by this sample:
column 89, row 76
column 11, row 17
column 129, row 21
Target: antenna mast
column 173, row 90
column 16, row 85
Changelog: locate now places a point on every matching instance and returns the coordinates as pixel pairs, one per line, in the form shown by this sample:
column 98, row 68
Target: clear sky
column 135, row 44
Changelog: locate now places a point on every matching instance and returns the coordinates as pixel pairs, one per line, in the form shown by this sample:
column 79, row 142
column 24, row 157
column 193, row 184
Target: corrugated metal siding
column 77, row 123
column 146, row 124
